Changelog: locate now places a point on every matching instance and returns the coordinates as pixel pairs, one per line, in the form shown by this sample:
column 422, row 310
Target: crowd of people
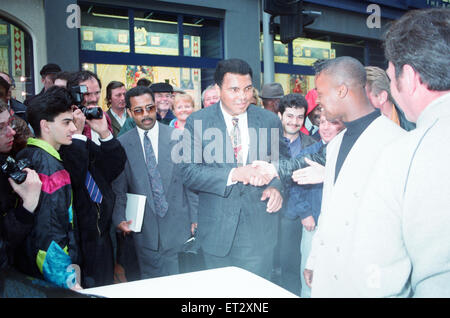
column 343, row 192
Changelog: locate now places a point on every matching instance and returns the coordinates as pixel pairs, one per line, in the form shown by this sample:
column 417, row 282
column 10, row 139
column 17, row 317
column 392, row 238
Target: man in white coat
column 402, row 238
column 350, row 157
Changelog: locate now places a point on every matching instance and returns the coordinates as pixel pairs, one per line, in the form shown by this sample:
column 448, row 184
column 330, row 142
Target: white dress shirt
column 120, row 120
column 245, row 139
column 153, row 134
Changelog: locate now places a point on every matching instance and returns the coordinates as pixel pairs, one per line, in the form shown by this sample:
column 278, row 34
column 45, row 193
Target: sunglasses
column 140, row 110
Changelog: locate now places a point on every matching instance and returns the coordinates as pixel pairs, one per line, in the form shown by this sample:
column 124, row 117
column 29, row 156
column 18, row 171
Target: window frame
column 133, row 58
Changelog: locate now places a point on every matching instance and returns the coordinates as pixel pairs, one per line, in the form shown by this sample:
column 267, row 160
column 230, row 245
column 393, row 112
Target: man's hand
column 313, row 174
column 249, row 175
column 309, row 223
column 265, row 168
column 100, row 126
column 123, row 226
column 79, row 120
column 29, row 190
column 308, row 275
column 275, row 199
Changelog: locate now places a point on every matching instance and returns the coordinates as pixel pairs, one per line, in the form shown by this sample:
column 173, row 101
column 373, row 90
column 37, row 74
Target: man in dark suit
column 237, row 223
column 169, row 209
column 94, row 159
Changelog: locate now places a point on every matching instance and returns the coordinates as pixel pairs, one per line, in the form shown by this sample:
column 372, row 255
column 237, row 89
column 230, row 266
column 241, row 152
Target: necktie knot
column 235, row 121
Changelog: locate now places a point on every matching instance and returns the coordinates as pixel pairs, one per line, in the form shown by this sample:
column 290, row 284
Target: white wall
column 29, row 15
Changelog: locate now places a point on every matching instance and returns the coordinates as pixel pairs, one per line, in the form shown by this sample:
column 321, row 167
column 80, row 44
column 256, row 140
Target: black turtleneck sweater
column 354, row 130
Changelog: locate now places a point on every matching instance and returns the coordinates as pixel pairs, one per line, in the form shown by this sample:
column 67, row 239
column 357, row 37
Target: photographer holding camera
column 16, row 216
column 94, row 160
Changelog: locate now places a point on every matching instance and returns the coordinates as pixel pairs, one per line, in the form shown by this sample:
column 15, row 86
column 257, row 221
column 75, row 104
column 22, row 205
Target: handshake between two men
column 260, row 173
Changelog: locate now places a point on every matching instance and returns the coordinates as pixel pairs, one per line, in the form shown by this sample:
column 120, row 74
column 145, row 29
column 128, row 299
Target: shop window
column 16, row 57
column 104, row 29
column 306, row 52
column 280, row 50
column 202, row 37
column 188, row 79
column 155, row 33
column 295, row 83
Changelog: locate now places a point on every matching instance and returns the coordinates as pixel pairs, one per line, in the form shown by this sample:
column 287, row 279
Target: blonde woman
column 183, row 106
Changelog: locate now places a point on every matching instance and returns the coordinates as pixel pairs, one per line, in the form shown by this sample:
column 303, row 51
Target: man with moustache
column 94, row 159
column 237, row 222
column 150, row 171
column 340, row 85
column 292, row 109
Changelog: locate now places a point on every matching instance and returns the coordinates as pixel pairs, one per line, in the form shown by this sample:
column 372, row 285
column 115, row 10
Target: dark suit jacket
column 174, row 228
column 105, row 163
column 220, row 205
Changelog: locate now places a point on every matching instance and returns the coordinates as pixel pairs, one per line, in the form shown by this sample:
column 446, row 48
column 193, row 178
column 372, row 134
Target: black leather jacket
column 288, row 166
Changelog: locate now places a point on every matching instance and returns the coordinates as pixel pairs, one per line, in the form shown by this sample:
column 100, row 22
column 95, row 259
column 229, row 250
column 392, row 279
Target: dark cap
column 161, row 88
column 50, row 69
column 272, row 90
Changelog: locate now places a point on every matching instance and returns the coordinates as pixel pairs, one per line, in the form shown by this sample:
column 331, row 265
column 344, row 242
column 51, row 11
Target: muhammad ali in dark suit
column 237, row 222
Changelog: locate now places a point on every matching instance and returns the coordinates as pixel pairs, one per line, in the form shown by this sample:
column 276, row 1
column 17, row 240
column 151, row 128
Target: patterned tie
column 94, row 191
column 159, row 198
column 236, row 141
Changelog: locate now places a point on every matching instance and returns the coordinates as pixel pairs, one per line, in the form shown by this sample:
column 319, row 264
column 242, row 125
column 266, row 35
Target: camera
column 77, row 93
column 14, row 169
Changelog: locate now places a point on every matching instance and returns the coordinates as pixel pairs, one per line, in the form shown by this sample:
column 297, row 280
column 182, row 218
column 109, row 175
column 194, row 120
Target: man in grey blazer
column 168, row 211
column 237, row 223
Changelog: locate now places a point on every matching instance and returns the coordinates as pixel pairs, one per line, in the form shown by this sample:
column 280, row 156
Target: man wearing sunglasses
column 150, row 171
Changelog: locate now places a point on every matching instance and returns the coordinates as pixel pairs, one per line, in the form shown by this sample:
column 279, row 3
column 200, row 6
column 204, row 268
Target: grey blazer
column 220, row 205
column 174, row 228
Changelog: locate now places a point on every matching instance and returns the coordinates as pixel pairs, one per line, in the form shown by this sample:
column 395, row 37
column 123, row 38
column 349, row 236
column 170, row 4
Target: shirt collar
column 151, row 133
column 228, row 117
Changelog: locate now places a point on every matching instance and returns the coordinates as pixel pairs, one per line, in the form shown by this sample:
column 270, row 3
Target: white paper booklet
column 135, row 210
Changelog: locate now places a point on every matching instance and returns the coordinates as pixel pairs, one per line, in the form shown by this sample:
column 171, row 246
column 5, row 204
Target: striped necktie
column 94, row 191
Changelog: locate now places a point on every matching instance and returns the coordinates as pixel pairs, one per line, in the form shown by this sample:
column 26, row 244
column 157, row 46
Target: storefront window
column 104, row 29
column 202, row 37
column 295, row 83
column 155, row 33
column 16, row 57
column 188, row 79
column 306, row 52
column 280, row 50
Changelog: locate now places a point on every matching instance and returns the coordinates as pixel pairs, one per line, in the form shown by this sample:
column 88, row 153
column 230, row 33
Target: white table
column 226, row 282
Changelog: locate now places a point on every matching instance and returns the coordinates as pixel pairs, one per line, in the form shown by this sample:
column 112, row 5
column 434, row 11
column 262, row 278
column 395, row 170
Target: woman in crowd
column 183, row 106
